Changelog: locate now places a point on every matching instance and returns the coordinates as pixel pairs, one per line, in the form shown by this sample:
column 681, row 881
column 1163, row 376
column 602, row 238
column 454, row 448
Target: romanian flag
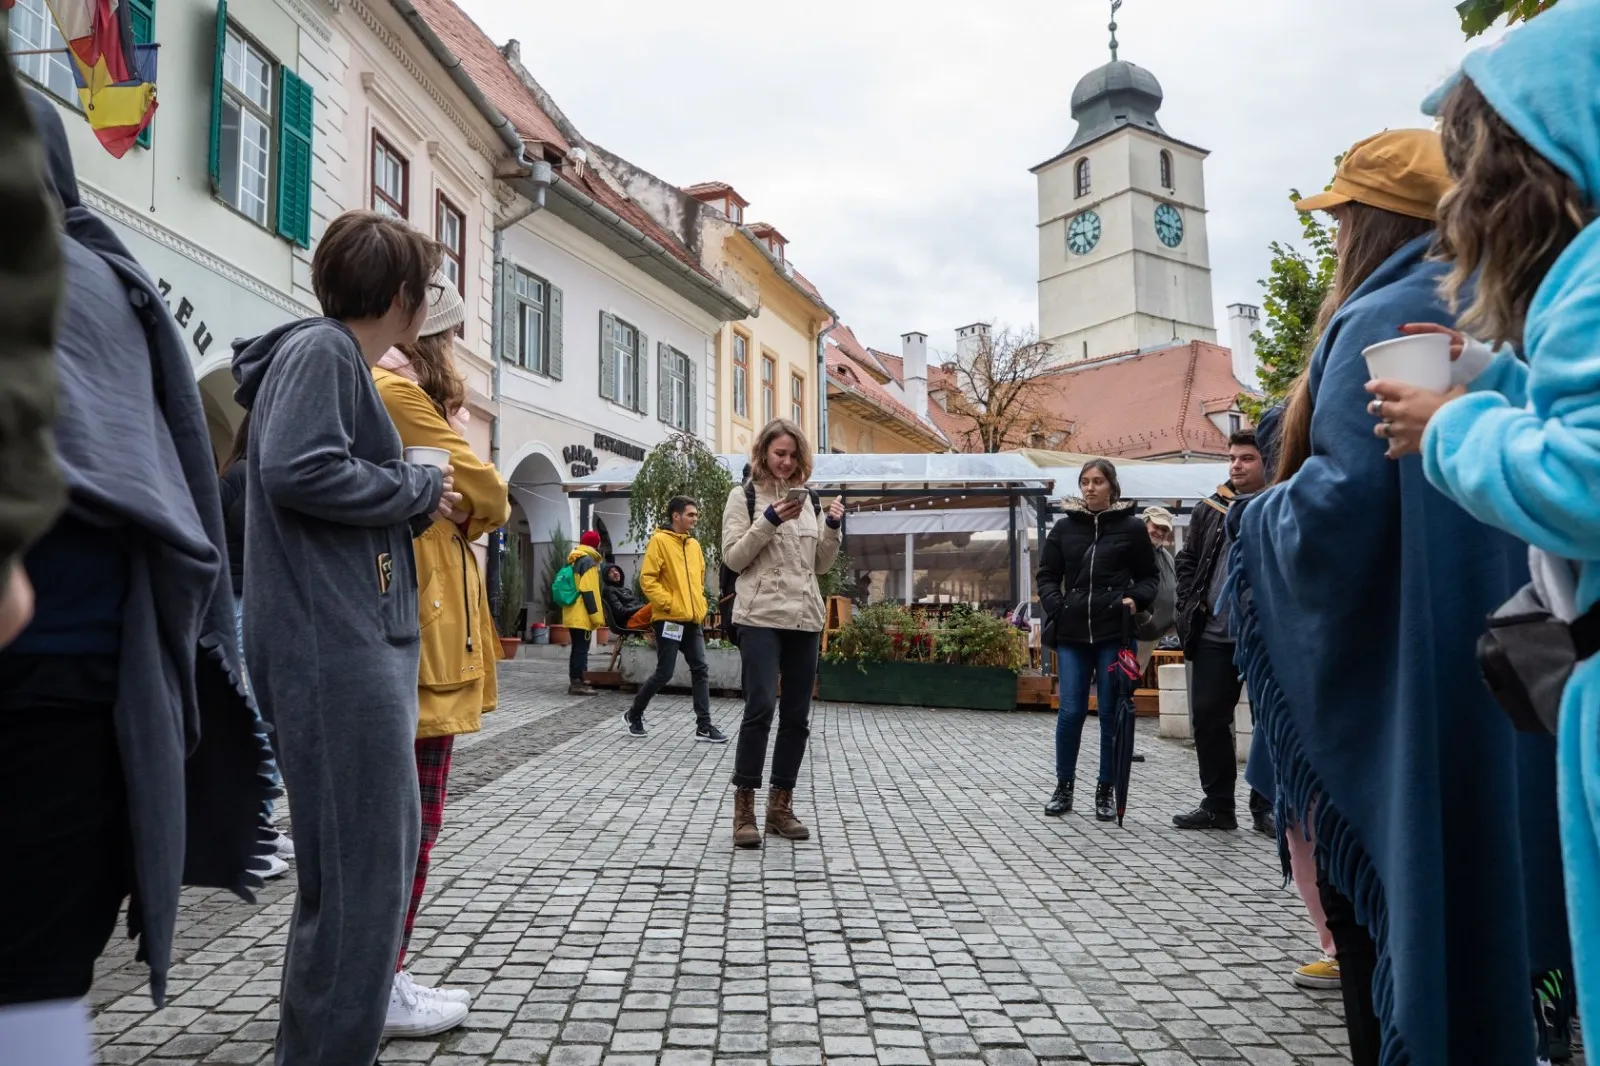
column 116, row 78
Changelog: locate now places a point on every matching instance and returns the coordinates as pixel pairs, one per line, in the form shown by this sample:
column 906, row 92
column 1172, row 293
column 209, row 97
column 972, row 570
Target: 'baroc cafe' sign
column 582, row 462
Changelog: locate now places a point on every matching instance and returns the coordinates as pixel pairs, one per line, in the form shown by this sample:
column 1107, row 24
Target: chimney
column 512, row 50
column 970, row 340
column 914, row 346
column 1243, row 321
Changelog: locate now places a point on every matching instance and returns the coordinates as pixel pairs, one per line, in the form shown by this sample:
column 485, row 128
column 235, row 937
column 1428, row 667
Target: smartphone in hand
column 798, row 495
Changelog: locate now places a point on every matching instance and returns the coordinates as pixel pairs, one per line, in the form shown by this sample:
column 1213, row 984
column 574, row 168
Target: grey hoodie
column 330, row 504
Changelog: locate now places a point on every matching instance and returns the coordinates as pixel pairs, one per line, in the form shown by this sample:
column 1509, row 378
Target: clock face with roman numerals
column 1169, row 225
column 1083, row 233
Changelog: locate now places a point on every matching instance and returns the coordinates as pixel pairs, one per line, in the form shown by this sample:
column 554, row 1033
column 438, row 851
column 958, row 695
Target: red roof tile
column 715, row 190
column 955, row 427
column 490, row 71
column 844, row 372
column 1146, row 404
column 497, row 80
column 851, row 345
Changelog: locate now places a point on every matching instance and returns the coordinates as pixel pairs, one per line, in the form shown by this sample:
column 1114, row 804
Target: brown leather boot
column 745, row 833
column 780, row 815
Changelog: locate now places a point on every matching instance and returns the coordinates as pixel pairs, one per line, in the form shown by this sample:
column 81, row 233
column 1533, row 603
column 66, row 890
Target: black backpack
column 728, row 578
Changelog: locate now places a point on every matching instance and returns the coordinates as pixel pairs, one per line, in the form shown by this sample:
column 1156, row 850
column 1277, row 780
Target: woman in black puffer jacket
column 1098, row 567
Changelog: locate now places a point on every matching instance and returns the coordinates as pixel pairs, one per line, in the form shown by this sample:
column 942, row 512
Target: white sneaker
column 415, row 1014
column 276, row 867
column 285, row 847
column 450, row 995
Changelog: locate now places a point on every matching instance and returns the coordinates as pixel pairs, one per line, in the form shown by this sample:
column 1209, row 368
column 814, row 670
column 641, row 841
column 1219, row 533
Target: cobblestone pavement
column 585, row 888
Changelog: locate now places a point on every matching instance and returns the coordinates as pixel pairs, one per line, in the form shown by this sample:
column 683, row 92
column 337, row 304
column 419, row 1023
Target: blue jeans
column 238, row 622
column 1079, row 666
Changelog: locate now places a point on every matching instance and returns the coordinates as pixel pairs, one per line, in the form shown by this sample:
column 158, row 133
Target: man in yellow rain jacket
column 673, row 577
column 586, row 613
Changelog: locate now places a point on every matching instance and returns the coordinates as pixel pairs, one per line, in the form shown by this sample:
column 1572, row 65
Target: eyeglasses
column 435, row 292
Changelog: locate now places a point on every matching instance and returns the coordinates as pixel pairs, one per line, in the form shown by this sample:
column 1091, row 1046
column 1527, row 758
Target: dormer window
column 1081, row 173
column 734, row 211
column 1166, row 170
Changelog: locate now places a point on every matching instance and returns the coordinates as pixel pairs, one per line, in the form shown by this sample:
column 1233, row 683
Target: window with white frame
column 391, row 180
column 741, row 375
column 797, row 399
column 625, row 363
column 450, row 229
column 769, row 384
column 533, row 309
column 677, row 389
column 246, row 128
column 34, row 31
column 735, row 212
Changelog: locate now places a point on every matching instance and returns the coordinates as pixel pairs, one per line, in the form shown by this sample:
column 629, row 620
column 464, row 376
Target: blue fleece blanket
column 1360, row 593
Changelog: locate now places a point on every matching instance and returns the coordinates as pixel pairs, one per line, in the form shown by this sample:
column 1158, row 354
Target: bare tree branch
column 1000, row 396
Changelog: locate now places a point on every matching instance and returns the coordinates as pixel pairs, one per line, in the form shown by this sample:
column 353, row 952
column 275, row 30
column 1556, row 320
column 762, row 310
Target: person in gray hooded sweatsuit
column 331, row 635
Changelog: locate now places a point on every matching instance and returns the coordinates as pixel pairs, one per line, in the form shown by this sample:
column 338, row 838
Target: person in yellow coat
column 585, row 614
column 426, row 398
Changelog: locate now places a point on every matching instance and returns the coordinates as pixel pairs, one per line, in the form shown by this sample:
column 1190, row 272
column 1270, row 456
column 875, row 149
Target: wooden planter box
column 980, row 688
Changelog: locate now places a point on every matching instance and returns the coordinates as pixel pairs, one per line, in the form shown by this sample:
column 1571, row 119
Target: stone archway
column 223, row 416
column 539, row 508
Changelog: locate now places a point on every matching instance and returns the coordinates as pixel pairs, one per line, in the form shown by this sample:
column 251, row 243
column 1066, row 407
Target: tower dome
column 1117, row 94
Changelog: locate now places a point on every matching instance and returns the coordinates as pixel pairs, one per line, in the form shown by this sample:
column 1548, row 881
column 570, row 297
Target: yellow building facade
column 767, row 363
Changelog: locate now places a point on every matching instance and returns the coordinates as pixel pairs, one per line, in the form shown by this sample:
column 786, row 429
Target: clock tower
column 1123, row 261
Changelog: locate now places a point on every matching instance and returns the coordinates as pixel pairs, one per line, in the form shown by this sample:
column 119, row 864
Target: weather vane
column 1115, row 5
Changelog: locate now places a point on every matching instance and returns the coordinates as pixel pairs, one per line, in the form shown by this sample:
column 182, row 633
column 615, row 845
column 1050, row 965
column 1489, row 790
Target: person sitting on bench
column 620, row 604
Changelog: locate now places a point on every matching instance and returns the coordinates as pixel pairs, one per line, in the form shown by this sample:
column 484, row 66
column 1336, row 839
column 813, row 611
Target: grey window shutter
column 553, row 326
column 641, row 370
column 608, row 360
column 510, row 314
column 691, row 397
column 663, row 382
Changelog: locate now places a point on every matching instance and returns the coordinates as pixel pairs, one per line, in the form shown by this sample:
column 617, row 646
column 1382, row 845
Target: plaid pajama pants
column 433, row 768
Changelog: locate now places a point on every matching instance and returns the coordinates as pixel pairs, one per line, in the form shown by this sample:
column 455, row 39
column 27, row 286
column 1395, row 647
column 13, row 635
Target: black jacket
column 618, row 601
column 233, row 522
column 1089, row 563
column 1196, row 561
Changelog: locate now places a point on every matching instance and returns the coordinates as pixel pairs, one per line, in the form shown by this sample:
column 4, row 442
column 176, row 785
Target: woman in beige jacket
column 778, row 546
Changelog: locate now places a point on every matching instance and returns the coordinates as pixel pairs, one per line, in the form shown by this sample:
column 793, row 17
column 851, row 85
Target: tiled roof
column 490, row 71
column 845, row 338
column 955, row 427
column 716, row 190
column 1137, row 405
column 845, row 373
column 498, row 81
column 893, row 365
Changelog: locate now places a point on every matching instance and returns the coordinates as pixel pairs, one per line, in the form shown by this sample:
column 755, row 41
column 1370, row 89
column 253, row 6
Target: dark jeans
column 1082, row 666
column 1214, row 690
column 693, row 646
column 66, row 811
column 578, row 658
column 768, row 655
column 1358, row 958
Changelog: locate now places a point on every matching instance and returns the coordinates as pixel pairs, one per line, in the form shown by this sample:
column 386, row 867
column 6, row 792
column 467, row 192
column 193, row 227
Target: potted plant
column 560, row 548
column 510, row 599
column 890, row 654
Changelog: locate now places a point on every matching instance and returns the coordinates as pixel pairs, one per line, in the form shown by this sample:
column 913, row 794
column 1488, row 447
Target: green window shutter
column 510, row 314
column 553, row 326
column 296, row 102
column 214, row 167
column 142, row 13
column 691, row 397
column 608, row 360
column 663, row 382
column 641, row 371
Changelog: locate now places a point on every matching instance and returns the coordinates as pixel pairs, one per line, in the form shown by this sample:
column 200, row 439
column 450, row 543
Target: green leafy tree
column 681, row 465
column 1479, row 15
column 1295, row 286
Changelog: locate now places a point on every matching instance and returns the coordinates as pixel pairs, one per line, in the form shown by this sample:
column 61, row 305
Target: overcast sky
column 890, row 140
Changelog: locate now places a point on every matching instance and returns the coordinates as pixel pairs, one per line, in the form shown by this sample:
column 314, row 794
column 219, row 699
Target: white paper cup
column 1422, row 360
column 438, row 457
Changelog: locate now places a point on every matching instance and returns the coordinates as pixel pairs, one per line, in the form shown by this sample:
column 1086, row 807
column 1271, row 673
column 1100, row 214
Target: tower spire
column 1115, row 4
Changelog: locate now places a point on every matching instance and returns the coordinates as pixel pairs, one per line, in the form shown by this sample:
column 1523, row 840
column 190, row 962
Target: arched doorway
column 539, row 511
column 223, row 416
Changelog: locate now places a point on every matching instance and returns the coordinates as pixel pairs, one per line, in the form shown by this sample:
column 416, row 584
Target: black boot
column 1061, row 802
column 1203, row 817
column 1105, row 802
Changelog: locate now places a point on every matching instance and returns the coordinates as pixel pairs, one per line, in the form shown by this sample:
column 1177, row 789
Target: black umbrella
column 1125, row 673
